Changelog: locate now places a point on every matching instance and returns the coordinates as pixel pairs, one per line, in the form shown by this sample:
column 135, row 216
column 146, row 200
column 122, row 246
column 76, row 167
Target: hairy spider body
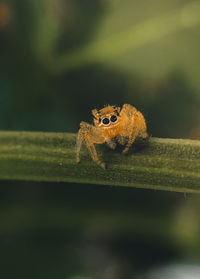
column 111, row 125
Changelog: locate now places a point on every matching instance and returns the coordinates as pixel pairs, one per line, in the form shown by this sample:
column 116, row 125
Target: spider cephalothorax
column 106, row 116
column 111, row 125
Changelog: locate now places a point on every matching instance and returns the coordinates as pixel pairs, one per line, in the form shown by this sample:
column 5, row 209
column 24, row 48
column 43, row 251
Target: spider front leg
column 89, row 135
column 131, row 138
column 112, row 144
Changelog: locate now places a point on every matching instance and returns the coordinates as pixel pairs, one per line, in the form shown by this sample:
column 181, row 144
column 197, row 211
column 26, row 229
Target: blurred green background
column 59, row 59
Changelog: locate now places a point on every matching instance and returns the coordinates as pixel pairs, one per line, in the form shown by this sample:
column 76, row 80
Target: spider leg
column 122, row 139
column 93, row 154
column 133, row 136
column 89, row 135
column 131, row 139
column 112, row 144
column 136, row 126
column 143, row 134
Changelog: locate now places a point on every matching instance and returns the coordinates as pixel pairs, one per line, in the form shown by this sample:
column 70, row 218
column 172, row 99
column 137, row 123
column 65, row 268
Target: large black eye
column 113, row 118
column 105, row 121
column 116, row 111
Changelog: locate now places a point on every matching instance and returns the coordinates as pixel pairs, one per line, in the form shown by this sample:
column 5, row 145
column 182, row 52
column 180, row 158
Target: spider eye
column 105, row 121
column 116, row 111
column 113, row 118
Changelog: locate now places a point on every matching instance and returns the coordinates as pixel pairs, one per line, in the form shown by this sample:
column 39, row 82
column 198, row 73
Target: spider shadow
column 137, row 147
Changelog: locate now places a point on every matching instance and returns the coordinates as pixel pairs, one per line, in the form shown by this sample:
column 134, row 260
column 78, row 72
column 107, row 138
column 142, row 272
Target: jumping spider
column 111, row 125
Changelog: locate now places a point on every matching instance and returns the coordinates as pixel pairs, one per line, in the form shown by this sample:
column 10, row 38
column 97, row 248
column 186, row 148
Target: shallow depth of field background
column 58, row 60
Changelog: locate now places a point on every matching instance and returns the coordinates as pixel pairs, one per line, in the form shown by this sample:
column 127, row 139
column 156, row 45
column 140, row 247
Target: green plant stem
column 162, row 164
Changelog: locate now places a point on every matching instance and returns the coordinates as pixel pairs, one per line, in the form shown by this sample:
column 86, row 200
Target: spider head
column 106, row 117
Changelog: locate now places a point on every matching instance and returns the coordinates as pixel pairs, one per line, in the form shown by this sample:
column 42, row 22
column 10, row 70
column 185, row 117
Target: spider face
column 106, row 117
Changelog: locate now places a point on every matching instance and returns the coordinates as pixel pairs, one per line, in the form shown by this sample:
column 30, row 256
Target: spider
column 111, row 125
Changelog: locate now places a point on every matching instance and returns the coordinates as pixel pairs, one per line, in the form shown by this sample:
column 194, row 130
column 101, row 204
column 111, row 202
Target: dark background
column 59, row 59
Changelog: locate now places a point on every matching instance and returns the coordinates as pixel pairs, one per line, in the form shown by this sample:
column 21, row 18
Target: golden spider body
column 111, row 125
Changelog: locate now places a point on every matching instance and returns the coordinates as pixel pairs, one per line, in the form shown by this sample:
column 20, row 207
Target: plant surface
column 163, row 164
